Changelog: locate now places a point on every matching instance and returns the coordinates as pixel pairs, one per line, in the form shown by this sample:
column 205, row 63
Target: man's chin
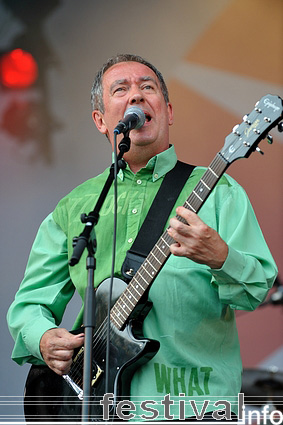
column 140, row 139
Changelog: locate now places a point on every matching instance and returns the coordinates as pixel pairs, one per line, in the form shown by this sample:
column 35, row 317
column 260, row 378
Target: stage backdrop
column 218, row 57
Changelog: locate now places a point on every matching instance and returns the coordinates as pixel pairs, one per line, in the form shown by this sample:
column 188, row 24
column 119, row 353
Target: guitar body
column 48, row 397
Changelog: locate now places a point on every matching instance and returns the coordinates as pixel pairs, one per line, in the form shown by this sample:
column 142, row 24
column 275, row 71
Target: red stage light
column 18, row 69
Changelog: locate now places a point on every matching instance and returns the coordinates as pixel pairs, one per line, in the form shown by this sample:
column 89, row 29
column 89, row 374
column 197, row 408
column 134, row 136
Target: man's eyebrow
column 148, row 78
column 117, row 82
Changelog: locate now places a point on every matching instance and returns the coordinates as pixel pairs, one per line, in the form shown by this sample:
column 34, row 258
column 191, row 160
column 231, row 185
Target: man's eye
column 119, row 89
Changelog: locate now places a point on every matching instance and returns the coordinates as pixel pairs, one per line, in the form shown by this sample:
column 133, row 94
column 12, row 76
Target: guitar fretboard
column 157, row 257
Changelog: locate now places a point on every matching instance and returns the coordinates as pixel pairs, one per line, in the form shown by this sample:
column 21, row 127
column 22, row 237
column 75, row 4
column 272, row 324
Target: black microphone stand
column 87, row 240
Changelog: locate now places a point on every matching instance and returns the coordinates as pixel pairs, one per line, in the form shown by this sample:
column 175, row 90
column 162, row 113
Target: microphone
column 134, row 118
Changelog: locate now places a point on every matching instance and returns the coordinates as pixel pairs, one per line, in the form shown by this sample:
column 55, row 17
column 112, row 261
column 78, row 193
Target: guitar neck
column 157, row 257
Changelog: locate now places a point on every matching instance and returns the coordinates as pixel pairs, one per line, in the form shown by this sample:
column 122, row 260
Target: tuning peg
column 259, row 151
column 257, row 109
column 246, row 120
column 269, row 139
column 234, row 130
column 280, row 127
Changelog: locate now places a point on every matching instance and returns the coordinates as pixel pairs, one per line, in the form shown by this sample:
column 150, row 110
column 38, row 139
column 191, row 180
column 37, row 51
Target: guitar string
column 102, row 329
column 99, row 336
column 97, row 343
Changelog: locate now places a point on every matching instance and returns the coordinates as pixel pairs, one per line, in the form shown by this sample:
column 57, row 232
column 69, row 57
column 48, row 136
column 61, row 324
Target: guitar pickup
column 78, row 354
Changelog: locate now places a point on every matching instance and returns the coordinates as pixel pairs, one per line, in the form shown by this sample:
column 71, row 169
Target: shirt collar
column 158, row 165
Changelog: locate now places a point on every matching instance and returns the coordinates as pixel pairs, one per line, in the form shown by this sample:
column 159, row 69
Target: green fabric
column 192, row 314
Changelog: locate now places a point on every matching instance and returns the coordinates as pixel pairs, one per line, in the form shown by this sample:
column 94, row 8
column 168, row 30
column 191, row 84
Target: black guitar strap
column 156, row 218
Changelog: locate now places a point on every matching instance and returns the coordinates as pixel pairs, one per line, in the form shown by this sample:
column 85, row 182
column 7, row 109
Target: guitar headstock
column 246, row 136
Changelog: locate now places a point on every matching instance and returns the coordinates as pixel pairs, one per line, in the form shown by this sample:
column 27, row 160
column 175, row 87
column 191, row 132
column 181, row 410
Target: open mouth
column 147, row 118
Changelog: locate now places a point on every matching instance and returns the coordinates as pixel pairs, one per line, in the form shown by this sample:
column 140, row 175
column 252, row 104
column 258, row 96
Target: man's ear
column 170, row 113
column 97, row 117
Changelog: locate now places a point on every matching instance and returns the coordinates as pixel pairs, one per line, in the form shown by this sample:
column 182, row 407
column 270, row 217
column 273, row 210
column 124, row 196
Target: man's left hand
column 196, row 240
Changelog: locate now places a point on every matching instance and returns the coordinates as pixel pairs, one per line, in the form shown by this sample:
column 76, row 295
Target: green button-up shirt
column 192, row 314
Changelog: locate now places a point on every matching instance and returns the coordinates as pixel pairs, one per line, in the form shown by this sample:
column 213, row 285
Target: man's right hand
column 57, row 348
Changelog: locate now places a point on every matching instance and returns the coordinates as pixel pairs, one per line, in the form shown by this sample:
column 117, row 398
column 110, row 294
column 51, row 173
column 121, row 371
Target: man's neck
column 139, row 160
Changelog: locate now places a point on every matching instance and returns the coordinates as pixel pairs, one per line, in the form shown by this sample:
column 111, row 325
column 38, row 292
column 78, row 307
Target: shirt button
column 130, row 240
column 155, row 176
column 134, row 211
column 139, row 182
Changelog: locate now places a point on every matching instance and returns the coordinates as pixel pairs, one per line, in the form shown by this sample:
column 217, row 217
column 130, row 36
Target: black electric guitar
column 51, row 397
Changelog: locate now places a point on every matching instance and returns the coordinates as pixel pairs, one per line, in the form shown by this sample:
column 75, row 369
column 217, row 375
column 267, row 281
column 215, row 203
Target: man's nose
column 136, row 97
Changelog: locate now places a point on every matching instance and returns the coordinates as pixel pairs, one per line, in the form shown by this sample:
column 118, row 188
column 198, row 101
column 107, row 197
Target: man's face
column 129, row 84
